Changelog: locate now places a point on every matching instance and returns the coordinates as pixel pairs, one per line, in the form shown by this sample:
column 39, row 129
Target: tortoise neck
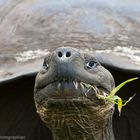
column 81, row 128
column 83, row 123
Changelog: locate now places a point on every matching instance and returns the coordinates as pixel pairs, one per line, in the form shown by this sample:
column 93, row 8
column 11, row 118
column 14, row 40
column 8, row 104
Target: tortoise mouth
column 68, row 89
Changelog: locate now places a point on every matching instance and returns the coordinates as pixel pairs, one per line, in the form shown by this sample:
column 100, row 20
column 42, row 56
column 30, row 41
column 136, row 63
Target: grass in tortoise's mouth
column 100, row 93
column 111, row 97
column 73, row 87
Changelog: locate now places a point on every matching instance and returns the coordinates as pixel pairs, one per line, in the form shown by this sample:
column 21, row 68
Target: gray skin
column 71, row 112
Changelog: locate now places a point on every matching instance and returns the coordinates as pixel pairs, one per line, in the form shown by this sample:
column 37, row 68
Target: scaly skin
column 78, row 122
column 69, row 112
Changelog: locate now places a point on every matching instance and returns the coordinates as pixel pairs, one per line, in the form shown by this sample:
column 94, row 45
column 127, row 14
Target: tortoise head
column 63, row 99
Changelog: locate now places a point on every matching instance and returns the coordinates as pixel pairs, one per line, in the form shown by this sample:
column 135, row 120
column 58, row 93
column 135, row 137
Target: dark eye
column 92, row 65
column 45, row 65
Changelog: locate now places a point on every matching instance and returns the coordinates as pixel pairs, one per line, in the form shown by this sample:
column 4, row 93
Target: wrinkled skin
column 68, row 109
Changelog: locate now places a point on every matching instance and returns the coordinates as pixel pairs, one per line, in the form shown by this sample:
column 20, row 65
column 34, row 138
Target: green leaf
column 119, row 105
column 116, row 89
column 112, row 97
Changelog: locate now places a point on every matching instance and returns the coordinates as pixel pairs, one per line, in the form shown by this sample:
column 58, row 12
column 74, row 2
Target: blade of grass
column 116, row 89
column 112, row 97
column 119, row 105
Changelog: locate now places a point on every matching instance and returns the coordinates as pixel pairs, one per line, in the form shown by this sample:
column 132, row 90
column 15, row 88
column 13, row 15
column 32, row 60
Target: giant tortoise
column 76, row 39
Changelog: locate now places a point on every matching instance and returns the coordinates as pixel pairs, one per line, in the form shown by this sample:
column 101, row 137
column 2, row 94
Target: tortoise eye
column 91, row 65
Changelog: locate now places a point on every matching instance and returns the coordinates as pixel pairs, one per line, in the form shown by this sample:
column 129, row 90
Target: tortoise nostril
column 68, row 54
column 60, row 54
column 64, row 54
